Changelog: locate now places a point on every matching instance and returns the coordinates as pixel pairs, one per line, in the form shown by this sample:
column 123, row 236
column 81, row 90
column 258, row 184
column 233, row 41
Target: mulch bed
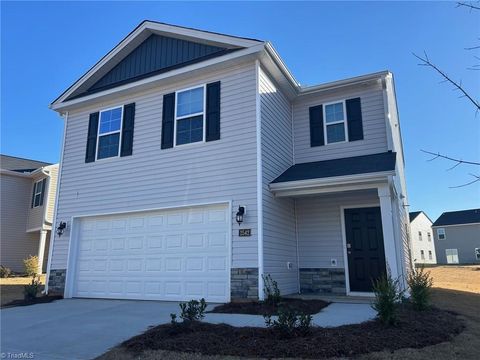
column 261, row 308
column 415, row 330
column 39, row 300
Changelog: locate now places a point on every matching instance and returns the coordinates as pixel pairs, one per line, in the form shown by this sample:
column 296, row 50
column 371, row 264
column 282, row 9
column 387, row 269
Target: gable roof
column 18, row 164
column 339, row 167
column 413, row 215
column 471, row 216
column 211, row 43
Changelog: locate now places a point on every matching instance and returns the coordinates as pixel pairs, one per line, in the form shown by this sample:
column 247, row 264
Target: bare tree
column 464, row 93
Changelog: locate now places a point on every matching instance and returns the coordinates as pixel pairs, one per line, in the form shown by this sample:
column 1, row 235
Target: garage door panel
column 163, row 255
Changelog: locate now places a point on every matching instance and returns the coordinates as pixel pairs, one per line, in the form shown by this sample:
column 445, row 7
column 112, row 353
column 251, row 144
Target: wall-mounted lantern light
column 240, row 214
column 61, row 228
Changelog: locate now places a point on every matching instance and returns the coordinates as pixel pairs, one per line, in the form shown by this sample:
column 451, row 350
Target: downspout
column 259, row 181
column 59, row 176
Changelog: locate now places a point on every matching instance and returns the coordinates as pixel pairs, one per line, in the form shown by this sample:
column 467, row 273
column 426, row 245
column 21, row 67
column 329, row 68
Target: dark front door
column 365, row 252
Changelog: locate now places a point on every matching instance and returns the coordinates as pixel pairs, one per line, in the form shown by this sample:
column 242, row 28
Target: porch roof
column 356, row 165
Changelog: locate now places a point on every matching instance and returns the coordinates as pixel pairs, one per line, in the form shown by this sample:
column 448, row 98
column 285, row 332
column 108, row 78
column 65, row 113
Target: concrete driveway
column 77, row 328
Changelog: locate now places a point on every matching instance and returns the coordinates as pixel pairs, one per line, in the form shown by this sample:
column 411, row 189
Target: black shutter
column 354, row 119
column 44, row 183
column 92, row 138
column 213, row 111
column 127, row 129
column 316, row 126
column 167, row 120
column 33, row 193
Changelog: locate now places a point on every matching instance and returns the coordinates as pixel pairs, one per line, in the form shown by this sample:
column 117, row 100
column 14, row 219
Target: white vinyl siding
column 422, row 225
column 153, row 178
column 278, row 213
column 374, row 128
column 320, row 228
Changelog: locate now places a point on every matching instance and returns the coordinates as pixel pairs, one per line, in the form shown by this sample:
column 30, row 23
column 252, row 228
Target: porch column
column 41, row 250
column 388, row 229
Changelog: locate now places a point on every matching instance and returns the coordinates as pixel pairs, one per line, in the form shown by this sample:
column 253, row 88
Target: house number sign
column 245, row 232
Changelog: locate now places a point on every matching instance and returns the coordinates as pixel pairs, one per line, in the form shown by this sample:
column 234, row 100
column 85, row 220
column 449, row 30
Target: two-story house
column 194, row 164
column 421, row 238
column 457, row 237
column 28, row 189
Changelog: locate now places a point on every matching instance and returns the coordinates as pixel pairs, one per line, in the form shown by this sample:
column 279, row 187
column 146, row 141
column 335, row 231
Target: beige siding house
column 28, row 191
column 194, row 164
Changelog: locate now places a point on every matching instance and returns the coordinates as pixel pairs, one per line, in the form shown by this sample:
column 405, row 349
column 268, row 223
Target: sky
column 46, row 46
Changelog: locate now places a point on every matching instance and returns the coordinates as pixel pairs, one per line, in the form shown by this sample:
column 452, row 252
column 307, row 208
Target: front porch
column 347, row 229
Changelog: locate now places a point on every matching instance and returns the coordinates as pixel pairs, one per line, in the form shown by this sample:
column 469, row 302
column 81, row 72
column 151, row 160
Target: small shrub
column 193, row 310
column 30, row 291
column 387, row 296
column 271, row 290
column 290, row 322
column 420, row 284
column 173, row 318
column 31, row 265
column 5, row 272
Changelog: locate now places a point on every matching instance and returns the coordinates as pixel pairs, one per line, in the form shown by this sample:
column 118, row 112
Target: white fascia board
column 206, row 37
column 331, row 182
column 344, row 83
column 452, row 225
column 15, row 173
column 150, row 81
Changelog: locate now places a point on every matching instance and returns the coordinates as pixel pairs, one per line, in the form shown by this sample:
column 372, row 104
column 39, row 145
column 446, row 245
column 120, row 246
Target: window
column 419, row 236
column 335, row 122
column 190, row 116
column 452, row 256
column 430, row 256
column 422, row 254
column 109, row 131
column 441, row 234
column 429, row 236
column 38, row 190
column 477, row 253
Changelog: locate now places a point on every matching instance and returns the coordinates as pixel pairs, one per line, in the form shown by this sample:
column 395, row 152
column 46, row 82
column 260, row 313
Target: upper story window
column 441, row 234
column 109, row 133
column 419, row 236
column 335, row 122
column 190, row 116
column 38, row 193
column 429, row 236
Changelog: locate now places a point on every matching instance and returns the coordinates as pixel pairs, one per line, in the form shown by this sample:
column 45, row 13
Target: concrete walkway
column 86, row 328
column 336, row 314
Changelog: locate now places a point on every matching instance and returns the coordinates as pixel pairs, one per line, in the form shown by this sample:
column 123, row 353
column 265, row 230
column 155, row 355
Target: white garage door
column 180, row 254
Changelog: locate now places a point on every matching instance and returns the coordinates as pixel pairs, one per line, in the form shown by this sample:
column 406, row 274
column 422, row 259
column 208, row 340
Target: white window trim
column 444, row 234
column 422, row 254
column 429, row 237
column 456, row 254
column 344, row 121
column 35, row 193
column 476, row 254
column 110, row 132
column 204, row 113
column 430, row 255
column 420, row 236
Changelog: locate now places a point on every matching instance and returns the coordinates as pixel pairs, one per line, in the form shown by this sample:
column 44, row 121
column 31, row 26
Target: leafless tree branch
column 467, row 5
column 476, row 179
column 457, row 161
column 425, row 61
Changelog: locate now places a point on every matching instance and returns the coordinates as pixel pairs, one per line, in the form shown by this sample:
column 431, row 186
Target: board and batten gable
column 373, row 116
column 279, row 240
column 154, row 178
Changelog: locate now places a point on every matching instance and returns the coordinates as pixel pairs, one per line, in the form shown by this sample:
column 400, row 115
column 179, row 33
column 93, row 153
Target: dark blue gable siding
column 156, row 54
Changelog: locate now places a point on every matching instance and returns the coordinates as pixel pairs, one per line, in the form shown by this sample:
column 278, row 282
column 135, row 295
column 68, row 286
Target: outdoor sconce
column 61, row 228
column 240, row 214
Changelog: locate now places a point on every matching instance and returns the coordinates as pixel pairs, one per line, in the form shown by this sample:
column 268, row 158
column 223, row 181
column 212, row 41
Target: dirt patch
column 263, row 308
column 38, row 300
column 462, row 278
column 350, row 340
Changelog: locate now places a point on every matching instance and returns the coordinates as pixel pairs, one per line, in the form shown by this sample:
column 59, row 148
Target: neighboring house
column 457, row 237
column 28, row 190
column 178, row 133
column 423, row 248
